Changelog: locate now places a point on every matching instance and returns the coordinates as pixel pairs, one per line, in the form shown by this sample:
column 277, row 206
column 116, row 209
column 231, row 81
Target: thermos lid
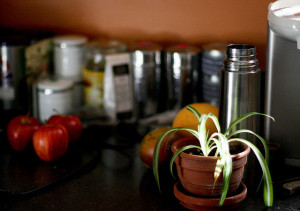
column 214, row 50
column 181, row 55
column 69, row 40
column 145, row 53
column 54, row 85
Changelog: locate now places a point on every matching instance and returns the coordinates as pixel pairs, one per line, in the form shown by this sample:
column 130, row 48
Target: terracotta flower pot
column 196, row 173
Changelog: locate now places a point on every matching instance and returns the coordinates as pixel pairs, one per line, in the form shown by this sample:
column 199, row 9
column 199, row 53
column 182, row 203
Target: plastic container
column 69, row 56
column 53, row 96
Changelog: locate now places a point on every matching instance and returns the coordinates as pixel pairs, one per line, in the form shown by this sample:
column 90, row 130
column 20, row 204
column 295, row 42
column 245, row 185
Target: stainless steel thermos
column 240, row 94
column 240, row 88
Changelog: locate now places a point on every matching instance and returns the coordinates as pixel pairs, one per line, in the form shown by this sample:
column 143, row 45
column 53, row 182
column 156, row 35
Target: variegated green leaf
column 194, row 111
column 227, row 171
column 268, row 186
column 238, row 120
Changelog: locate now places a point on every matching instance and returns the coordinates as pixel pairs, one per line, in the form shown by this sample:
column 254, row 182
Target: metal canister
column 13, row 87
column 52, row 96
column 93, row 74
column 147, row 78
column 213, row 55
column 182, row 74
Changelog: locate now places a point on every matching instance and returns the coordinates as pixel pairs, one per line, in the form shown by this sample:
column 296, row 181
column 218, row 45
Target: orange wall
column 164, row 21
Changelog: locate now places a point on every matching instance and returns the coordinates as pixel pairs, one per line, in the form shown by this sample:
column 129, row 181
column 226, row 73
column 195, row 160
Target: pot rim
column 200, row 157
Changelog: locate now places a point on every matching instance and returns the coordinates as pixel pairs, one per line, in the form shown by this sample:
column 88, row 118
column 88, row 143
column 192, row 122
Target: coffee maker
column 282, row 99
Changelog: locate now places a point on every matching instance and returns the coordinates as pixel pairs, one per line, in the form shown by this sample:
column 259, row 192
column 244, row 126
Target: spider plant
column 217, row 144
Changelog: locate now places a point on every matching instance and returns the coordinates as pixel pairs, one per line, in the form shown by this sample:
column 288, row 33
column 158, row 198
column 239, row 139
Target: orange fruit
column 185, row 118
column 148, row 144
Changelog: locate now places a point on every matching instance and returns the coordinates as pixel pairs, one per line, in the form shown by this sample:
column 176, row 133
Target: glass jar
column 93, row 74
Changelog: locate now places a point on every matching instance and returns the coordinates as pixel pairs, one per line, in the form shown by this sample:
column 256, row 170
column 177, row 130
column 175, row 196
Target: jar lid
column 106, row 46
column 55, row 84
column 215, row 50
column 69, row 40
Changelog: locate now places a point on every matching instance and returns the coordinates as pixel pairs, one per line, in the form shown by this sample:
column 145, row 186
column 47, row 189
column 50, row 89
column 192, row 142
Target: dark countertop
column 102, row 172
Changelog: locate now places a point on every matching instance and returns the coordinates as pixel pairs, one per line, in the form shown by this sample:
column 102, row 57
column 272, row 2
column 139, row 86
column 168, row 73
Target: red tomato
column 50, row 142
column 20, row 131
column 72, row 124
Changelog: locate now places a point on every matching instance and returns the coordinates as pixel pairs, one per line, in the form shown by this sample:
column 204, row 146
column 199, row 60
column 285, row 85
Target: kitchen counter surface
column 102, row 172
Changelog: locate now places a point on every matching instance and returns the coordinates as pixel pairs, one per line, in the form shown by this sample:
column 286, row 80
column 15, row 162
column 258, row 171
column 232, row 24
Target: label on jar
column 93, row 88
column 123, row 92
column 118, row 87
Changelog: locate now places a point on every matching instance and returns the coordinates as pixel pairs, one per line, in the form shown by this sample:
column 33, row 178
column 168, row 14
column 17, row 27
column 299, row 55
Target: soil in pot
column 196, row 172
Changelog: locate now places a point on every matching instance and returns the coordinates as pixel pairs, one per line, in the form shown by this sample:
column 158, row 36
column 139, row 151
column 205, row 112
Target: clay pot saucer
column 194, row 202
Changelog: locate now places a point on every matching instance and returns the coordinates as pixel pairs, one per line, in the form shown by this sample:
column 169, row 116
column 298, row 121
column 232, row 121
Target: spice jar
column 52, row 96
column 93, row 74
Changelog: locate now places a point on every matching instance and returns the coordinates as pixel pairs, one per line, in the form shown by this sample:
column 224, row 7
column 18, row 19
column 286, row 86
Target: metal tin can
column 93, row 74
column 13, row 87
column 213, row 55
column 52, row 96
column 147, row 74
column 182, row 74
